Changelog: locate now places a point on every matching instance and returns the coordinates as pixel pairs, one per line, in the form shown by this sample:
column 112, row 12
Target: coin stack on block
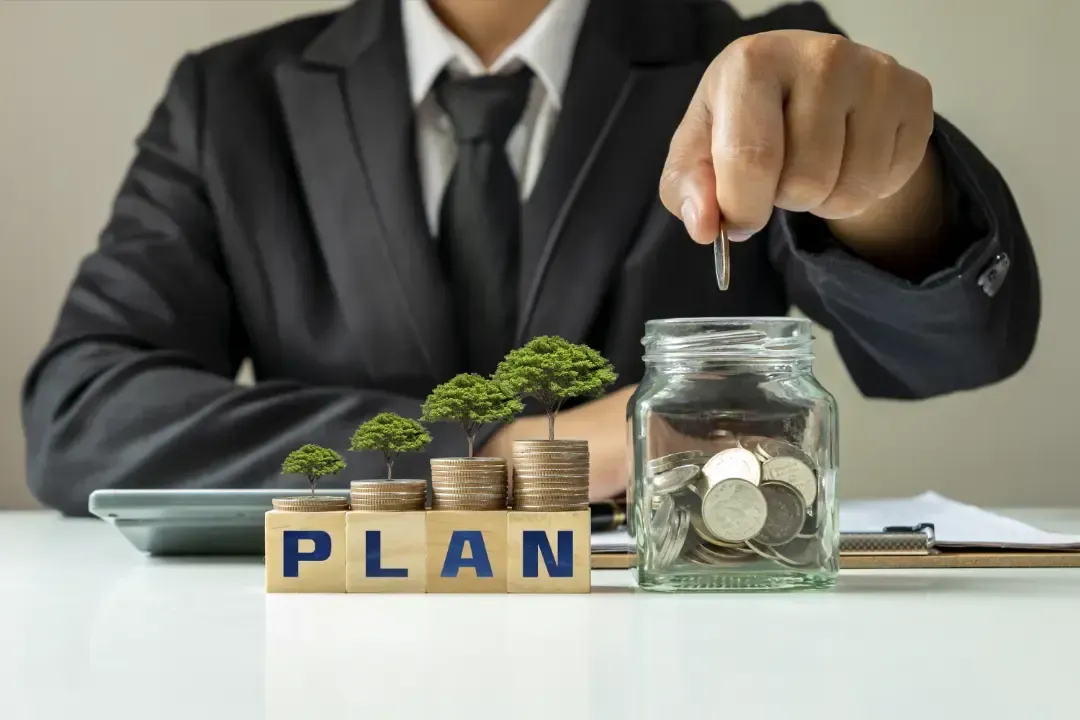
column 388, row 495
column 754, row 500
column 311, row 503
column 468, row 484
column 551, row 475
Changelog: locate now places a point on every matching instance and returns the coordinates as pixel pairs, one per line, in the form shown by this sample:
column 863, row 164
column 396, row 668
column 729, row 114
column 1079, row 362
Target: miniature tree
column 471, row 400
column 551, row 370
column 390, row 434
column 313, row 461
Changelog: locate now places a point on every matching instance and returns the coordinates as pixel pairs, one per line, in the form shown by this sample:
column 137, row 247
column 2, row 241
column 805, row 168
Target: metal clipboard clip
column 893, row 540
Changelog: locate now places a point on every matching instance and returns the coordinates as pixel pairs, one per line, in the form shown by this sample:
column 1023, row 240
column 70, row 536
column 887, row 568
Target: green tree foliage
column 471, row 400
column 552, row 370
column 390, row 434
column 313, row 461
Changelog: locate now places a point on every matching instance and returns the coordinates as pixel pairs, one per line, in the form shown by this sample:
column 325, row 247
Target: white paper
column 955, row 525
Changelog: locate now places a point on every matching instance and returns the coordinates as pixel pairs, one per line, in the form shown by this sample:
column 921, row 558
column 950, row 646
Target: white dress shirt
column 546, row 47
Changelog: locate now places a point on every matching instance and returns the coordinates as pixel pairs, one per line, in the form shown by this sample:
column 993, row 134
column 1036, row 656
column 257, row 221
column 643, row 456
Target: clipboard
column 956, row 559
column 904, row 548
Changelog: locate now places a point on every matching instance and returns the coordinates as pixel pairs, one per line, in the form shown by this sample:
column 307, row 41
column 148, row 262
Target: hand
column 803, row 121
column 602, row 422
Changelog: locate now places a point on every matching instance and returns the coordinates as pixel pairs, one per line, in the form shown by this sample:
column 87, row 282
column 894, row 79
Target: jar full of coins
column 735, row 458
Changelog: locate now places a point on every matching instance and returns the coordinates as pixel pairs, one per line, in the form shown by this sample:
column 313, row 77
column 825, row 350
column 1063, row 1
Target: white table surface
column 91, row 628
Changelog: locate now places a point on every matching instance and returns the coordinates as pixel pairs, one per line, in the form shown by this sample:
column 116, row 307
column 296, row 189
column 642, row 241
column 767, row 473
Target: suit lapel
column 622, row 103
column 351, row 125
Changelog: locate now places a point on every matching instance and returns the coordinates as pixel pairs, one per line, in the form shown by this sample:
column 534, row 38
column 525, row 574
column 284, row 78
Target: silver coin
column 677, row 538
column 722, row 258
column 794, row 472
column 734, row 510
column 661, row 516
column 800, row 552
column 675, row 479
column 733, row 463
column 762, row 550
column 786, row 513
column 810, row 526
column 667, row 462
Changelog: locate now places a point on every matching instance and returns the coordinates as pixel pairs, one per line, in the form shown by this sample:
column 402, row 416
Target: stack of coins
column 311, row 503
column 388, row 495
column 754, row 500
column 551, row 475
column 468, row 484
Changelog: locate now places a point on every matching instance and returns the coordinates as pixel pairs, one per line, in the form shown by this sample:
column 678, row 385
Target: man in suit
column 365, row 203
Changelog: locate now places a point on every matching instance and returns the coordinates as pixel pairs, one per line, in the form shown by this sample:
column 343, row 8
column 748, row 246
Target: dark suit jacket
column 273, row 213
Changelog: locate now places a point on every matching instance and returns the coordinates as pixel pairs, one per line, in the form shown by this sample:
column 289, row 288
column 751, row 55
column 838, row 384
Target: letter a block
column 548, row 552
column 305, row 552
column 386, row 552
column 466, row 551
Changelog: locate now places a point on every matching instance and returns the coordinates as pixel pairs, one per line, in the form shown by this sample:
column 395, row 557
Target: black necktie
column 480, row 218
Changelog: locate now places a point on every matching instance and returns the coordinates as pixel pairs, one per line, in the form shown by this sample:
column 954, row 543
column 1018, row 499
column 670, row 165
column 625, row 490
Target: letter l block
column 387, row 552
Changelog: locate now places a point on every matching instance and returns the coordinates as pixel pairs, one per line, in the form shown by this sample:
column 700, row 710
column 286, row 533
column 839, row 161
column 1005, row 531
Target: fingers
column 746, row 94
column 687, row 183
column 913, row 133
column 803, row 121
column 815, row 124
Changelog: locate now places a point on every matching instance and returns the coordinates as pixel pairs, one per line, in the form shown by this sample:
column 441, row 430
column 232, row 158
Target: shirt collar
column 547, row 47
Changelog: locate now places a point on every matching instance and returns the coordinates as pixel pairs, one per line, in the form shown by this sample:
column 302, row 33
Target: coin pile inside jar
column 311, row 503
column 755, row 500
column 468, row 484
column 551, row 475
column 387, row 495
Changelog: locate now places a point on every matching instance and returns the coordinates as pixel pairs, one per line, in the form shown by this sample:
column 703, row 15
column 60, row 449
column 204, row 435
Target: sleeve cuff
column 983, row 263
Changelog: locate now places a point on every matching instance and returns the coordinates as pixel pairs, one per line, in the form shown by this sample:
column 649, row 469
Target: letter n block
column 305, row 552
column 386, row 552
column 466, row 551
column 548, row 552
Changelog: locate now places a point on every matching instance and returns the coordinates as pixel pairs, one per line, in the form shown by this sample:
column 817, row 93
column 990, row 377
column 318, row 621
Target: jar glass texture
column 735, row 458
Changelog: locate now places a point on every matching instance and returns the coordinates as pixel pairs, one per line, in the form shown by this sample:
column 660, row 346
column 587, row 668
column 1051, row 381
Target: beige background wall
column 78, row 79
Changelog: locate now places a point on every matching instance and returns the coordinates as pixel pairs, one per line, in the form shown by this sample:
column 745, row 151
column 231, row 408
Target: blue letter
column 535, row 543
column 479, row 560
column 374, row 566
column 291, row 551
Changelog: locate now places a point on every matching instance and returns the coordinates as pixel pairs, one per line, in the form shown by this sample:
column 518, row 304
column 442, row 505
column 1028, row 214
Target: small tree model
column 551, row 370
column 390, row 434
column 314, row 461
column 471, row 400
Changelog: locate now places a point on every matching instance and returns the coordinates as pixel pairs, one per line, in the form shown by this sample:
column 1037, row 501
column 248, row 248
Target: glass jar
column 735, row 458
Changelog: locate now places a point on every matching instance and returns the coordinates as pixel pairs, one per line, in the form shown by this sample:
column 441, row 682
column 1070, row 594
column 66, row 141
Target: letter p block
column 305, row 552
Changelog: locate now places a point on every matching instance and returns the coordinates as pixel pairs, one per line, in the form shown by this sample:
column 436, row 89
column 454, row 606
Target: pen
column 608, row 514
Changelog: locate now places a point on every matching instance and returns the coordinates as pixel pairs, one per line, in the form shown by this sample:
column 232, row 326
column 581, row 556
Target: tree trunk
column 551, row 424
column 312, row 480
column 471, row 437
column 389, row 468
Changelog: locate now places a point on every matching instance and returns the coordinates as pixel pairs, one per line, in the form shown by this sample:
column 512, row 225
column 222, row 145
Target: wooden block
column 386, row 552
column 466, row 551
column 548, row 552
column 305, row 552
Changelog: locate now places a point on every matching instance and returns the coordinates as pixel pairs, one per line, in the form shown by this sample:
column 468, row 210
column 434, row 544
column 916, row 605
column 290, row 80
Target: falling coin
column 795, row 473
column 733, row 463
column 786, row 512
column 722, row 258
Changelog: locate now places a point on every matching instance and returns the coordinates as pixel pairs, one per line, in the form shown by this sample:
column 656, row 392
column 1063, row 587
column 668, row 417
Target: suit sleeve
column 136, row 388
column 968, row 325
